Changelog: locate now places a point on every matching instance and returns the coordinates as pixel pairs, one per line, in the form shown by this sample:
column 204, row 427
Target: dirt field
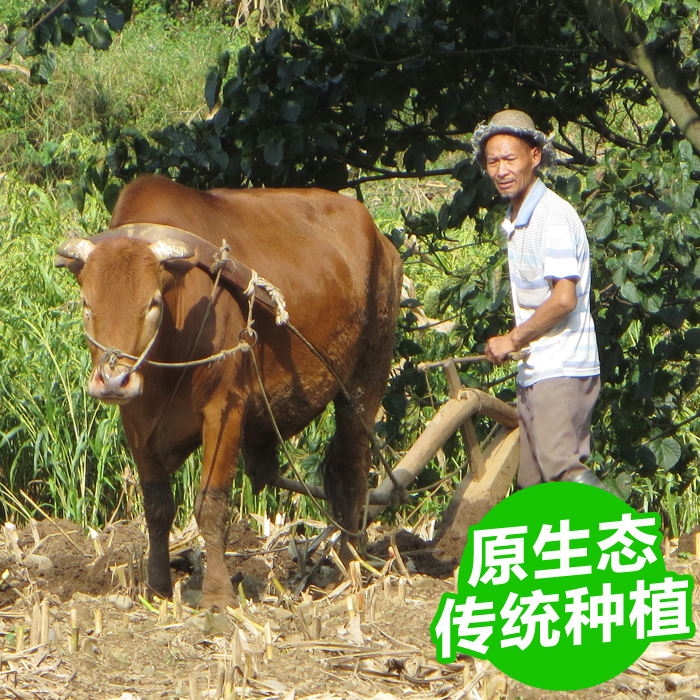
column 77, row 623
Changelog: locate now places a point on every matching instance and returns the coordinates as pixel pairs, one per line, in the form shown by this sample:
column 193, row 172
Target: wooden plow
column 492, row 465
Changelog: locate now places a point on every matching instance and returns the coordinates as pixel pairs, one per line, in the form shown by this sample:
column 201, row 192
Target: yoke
column 234, row 274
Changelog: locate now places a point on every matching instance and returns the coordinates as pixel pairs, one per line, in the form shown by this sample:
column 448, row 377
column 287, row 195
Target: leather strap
column 234, row 273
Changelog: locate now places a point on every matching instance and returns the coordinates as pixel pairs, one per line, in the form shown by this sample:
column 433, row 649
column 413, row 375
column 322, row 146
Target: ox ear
column 170, row 249
column 77, row 249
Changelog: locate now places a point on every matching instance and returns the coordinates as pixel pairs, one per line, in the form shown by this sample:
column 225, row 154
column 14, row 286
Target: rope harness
column 247, row 340
column 112, row 355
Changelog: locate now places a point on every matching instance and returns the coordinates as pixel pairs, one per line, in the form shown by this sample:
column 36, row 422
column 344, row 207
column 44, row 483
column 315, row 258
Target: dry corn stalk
column 74, row 632
column 12, row 541
column 177, row 601
column 44, row 638
column 35, row 630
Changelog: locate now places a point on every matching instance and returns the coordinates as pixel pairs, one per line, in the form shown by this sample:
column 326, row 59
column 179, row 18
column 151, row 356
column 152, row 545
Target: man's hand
column 499, row 348
column 559, row 305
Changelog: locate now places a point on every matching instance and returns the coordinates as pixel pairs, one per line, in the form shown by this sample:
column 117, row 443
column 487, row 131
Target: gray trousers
column 555, row 427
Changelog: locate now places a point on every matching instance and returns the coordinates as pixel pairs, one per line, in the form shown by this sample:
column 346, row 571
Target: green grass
column 152, row 75
column 55, row 443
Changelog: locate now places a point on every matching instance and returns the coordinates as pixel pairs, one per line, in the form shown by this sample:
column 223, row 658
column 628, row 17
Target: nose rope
column 147, row 349
column 112, row 355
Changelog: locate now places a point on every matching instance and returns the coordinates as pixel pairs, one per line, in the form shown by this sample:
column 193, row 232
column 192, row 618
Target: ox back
column 341, row 280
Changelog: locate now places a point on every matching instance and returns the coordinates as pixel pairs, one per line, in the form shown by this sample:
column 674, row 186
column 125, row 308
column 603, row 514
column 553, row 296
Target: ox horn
column 74, row 249
column 170, row 249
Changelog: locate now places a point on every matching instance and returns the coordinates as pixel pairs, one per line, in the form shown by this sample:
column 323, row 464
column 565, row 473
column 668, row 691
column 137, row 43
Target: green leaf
column 629, row 291
column 431, row 302
column 667, row 452
column 274, row 152
column 408, row 348
column 618, row 270
column 644, row 8
column 395, row 405
column 692, row 340
column 212, row 87
column 325, row 141
column 25, row 49
column 56, row 34
column 110, row 196
column 646, row 458
column 604, row 222
column 223, row 62
column 624, row 483
column 652, row 303
column 43, row 69
column 69, row 29
column 114, row 17
column 97, row 34
column 77, row 194
column 44, row 32
column 98, row 177
column 83, row 10
column 635, row 262
column 414, row 158
column 568, row 187
column 480, row 303
column 409, row 303
column 683, row 195
column 290, row 111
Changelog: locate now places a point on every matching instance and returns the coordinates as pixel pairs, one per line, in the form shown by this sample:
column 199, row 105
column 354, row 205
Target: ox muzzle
column 114, row 381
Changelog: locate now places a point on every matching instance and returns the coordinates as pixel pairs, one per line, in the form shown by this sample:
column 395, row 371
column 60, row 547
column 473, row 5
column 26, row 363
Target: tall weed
column 56, row 444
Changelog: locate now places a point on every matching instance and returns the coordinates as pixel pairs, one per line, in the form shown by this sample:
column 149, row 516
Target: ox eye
column 154, row 308
column 86, row 310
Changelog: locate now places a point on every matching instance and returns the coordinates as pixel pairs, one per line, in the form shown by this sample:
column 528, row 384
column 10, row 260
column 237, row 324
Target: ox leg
column 211, row 510
column 221, row 445
column 160, row 511
column 345, row 469
column 261, row 461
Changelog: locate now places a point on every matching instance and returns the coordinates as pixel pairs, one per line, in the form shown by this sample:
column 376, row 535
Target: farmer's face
column 511, row 163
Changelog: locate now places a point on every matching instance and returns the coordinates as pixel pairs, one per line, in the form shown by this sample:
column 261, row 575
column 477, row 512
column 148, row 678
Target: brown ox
column 341, row 281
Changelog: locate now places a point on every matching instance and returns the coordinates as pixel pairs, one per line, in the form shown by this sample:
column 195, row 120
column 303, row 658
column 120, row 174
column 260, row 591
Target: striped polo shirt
column 547, row 242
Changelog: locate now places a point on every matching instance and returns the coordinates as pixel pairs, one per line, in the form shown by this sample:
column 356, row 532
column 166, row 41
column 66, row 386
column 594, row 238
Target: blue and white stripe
column 548, row 242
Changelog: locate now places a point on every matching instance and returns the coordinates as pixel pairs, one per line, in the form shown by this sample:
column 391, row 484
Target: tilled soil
column 77, row 622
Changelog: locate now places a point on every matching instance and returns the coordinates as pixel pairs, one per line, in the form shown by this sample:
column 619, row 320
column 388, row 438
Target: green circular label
column 563, row 586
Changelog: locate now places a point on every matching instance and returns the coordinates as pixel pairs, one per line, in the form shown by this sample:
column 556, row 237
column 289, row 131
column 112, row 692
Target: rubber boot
column 582, row 475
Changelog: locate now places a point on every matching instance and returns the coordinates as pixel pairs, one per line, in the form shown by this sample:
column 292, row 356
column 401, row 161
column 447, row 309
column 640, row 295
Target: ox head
column 122, row 283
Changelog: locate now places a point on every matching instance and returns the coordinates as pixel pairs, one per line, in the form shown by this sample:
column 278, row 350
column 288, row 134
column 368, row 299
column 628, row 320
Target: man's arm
column 559, row 305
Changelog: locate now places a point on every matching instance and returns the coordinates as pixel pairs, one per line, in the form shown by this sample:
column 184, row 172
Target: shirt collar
column 527, row 207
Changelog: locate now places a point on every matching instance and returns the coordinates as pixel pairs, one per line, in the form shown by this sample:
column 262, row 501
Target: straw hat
column 512, row 121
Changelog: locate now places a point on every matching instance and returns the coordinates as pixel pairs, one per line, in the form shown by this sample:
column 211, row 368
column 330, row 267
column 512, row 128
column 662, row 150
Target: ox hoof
column 218, row 601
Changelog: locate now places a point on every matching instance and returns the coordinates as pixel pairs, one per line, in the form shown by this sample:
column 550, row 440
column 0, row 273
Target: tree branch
column 390, row 175
column 578, row 157
column 599, row 126
column 486, row 52
column 626, row 31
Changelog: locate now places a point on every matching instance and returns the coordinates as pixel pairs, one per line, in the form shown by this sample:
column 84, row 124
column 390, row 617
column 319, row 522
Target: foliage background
column 378, row 100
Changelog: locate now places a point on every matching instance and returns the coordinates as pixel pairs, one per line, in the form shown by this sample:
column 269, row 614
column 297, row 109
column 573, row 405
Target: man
column 549, row 265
